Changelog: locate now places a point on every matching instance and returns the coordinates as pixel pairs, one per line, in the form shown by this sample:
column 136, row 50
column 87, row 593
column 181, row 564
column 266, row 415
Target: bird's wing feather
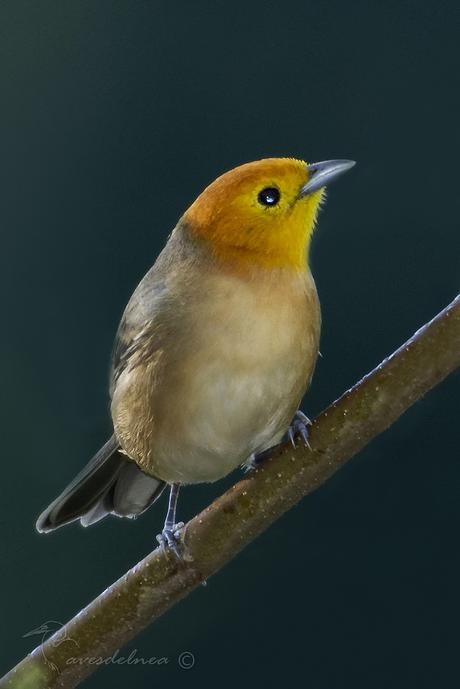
column 143, row 320
column 137, row 324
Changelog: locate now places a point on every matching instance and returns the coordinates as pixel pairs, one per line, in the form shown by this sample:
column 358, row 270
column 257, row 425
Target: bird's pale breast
column 228, row 363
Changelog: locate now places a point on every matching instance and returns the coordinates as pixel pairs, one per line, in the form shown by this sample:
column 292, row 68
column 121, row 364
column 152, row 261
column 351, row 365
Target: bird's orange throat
column 244, row 245
column 242, row 231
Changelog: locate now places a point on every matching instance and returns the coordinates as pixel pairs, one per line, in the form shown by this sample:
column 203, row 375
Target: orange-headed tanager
column 216, row 346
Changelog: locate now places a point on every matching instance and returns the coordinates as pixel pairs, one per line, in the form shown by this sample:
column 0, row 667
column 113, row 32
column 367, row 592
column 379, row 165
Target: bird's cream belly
column 230, row 392
column 222, row 418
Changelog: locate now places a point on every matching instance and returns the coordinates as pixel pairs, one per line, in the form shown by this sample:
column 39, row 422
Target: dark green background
column 114, row 115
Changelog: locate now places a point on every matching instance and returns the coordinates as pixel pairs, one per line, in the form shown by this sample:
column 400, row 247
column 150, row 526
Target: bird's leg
column 299, row 427
column 170, row 536
column 255, row 460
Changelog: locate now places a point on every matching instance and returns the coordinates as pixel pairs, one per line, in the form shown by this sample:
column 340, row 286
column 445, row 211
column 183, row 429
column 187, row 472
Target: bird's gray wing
column 134, row 335
column 143, row 323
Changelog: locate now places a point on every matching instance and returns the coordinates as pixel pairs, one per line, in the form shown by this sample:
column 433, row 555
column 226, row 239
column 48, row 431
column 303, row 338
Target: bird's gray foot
column 250, row 464
column 299, row 429
column 170, row 538
column 255, row 460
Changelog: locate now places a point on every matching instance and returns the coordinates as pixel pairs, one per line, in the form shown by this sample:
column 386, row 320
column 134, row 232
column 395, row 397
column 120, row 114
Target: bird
column 215, row 349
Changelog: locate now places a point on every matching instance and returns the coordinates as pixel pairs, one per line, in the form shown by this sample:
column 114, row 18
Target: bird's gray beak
column 321, row 174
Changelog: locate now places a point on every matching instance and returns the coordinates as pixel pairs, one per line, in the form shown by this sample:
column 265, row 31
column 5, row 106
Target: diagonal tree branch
column 232, row 521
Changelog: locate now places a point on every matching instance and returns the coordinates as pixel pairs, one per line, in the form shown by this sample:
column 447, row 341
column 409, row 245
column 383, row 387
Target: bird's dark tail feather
column 109, row 484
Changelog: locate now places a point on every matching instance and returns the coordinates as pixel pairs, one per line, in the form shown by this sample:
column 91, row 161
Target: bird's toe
column 299, row 429
column 171, row 539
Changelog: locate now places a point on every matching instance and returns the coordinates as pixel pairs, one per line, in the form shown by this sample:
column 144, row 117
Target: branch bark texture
column 223, row 529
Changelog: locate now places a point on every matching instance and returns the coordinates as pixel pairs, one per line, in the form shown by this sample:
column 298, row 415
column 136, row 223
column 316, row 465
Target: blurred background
column 114, row 116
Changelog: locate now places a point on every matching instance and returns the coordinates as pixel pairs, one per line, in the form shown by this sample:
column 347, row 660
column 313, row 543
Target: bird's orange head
column 262, row 214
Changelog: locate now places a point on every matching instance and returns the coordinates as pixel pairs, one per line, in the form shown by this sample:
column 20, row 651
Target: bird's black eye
column 269, row 196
